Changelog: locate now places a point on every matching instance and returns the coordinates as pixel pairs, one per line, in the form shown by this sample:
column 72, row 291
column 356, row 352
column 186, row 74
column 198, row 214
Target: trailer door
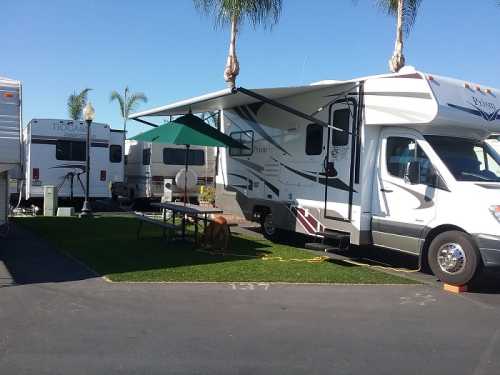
column 339, row 168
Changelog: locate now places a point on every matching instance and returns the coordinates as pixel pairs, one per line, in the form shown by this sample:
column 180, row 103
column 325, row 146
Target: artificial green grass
column 109, row 246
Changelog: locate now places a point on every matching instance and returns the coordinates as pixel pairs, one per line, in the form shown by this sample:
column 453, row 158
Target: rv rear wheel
column 454, row 258
column 269, row 230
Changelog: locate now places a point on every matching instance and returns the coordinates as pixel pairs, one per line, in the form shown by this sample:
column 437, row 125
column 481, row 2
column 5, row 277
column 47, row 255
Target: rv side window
column 115, row 154
column 70, row 150
column 314, row 139
column 177, row 156
column 341, row 120
column 246, row 139
column 146, row 156
column 400, row 151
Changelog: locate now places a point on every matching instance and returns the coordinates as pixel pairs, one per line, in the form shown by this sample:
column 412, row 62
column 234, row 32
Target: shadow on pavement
column 27, row 260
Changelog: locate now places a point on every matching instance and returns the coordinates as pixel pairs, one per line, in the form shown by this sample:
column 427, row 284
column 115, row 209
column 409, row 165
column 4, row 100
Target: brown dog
column 217, row 234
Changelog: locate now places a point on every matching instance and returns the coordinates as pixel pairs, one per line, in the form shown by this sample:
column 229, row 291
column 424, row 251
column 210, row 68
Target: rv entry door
column 339, row 163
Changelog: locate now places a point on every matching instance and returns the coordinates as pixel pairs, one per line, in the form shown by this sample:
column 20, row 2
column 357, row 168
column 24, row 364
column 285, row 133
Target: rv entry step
column 330, row 241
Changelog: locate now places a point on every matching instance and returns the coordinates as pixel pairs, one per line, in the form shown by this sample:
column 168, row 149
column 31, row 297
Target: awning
column 224, row 99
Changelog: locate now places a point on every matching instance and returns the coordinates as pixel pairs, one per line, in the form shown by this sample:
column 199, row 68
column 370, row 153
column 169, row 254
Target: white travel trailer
column 10, row 139
column 55, row 152
column 149, row 164
column 397, row 161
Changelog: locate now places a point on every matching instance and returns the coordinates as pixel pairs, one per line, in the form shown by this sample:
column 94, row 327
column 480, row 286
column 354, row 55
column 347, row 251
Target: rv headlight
column 495, row 210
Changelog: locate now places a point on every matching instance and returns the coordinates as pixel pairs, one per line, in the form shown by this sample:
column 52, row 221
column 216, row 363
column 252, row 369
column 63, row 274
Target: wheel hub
column 451, row 258
column 268, row 225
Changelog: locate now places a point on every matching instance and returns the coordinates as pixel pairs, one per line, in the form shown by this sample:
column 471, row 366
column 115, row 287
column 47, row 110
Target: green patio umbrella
column 188, row 130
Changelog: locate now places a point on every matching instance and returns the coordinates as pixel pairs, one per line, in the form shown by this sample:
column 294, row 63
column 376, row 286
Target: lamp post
column 88, row 115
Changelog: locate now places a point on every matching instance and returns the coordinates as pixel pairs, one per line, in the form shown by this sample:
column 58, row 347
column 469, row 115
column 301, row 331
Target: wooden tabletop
column 188, row 208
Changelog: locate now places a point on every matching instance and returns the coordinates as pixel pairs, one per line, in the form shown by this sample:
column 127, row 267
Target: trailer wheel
column 268, row 228
column 454, row 258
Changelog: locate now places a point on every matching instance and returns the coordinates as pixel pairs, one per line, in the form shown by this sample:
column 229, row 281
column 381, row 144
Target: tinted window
column 314, row 139
column 341, row 120
column 146, row 156
column 177, row 156
column 246, row 139
column 70, row 150
column 400, row 151
column 466, row 159
column 115, row 154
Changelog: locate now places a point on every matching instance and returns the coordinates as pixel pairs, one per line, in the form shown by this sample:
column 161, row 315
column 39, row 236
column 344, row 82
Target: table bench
column 188, row 210
column 145, row 219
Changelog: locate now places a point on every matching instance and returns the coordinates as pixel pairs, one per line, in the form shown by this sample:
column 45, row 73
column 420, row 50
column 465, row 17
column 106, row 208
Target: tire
column 454, row 258
column 269, row 231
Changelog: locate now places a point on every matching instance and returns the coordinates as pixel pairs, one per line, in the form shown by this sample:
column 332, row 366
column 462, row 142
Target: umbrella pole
column 185, row 174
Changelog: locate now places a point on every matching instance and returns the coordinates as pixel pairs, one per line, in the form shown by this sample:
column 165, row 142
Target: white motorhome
column 55, row 152
column 10, row 138
column 398, row 161
column 148, row 165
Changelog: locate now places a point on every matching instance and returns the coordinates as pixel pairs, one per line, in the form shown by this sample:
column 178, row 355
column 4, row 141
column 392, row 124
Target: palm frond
column 257, row 12
column 121, row 101
column 76, row 102
column 127, row 102
column 133, row 102
column 410, row 11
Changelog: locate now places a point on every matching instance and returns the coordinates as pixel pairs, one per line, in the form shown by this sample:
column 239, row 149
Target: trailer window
column 400, row 151
column 70, row 150
column 177, row 156
column 341, row 120
column 246, row 139
column 115, row 154
column 314, row 139
column 146, row 156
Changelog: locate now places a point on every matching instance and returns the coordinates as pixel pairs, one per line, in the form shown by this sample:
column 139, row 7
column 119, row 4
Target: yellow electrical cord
column 266, row 257
column 318, row 259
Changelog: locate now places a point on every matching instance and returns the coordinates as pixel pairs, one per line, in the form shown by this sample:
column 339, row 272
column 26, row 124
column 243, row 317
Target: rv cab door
column 405, row 195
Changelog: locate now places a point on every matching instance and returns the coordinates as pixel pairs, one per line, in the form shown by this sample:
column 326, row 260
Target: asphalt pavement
column 57, row 317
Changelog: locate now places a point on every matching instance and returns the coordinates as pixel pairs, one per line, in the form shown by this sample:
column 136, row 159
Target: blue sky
column 170, row 52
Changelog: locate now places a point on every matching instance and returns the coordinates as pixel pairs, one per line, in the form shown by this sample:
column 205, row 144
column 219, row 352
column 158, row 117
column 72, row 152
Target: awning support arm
column 146, row 122
column 288, row 109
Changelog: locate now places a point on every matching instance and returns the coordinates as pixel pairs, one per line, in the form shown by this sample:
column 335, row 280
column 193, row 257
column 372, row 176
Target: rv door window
column 146, row 156
column 400, row 151
column 341, row 119
column 177, row 156
column 70, row 150
column 314, row 139
column 115, row 154
column 246, row 139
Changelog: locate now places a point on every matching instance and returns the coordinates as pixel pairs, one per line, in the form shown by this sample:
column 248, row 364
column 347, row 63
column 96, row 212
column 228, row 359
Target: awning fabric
column 227, row 99
column 188, row 130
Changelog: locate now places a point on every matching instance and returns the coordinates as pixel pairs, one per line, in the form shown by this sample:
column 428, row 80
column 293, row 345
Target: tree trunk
column 397, row 60
column 232, row 66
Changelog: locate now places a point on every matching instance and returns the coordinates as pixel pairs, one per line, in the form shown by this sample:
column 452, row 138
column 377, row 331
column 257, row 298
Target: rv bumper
column 489, row 247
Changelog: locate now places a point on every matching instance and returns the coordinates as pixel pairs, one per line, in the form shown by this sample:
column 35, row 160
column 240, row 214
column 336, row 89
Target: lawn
column 109, row 246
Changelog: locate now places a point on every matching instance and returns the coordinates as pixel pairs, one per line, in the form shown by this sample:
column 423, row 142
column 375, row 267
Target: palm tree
column 236, row 12
column 405, row 12
column 128, row 103
column 76, row 103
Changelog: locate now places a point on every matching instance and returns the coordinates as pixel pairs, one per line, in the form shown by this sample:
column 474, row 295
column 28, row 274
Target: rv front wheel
column 454, row 258
column 269, row 230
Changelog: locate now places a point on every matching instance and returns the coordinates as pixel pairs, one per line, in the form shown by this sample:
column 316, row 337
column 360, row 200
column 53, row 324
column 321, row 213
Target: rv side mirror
column 413, row 172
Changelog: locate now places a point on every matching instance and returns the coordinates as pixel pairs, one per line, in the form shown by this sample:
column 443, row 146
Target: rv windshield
column 467, row 160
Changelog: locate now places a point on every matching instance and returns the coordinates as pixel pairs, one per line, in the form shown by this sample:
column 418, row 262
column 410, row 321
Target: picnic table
column 194, row 211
